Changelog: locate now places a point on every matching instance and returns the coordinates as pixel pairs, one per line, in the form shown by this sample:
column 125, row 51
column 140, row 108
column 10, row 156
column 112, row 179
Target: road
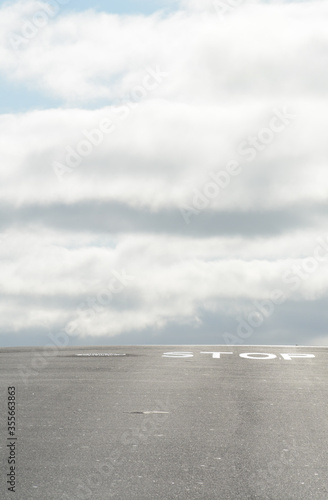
column 134, row 423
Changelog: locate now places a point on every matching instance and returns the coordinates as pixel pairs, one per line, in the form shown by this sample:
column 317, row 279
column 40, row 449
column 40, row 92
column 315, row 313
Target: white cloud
column 258, row 51
column 223, row 82
column 141, row 163
column 52, row 277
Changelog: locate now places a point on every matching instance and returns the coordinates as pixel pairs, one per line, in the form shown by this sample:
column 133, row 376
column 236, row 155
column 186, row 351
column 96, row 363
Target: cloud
column 142, row 164
column 260, row 50
column 153, row 108
column 61, row 279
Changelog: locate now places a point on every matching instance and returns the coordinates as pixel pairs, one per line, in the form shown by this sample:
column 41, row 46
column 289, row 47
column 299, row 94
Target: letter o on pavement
column 257, row 355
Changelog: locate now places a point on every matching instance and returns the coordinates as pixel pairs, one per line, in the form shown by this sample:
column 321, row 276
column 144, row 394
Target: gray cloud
column 116, row 218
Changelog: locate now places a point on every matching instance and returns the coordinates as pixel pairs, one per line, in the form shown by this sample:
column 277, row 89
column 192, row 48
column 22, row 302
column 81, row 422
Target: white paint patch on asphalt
column 152, row 412
column 246, row 355
column 96, row 354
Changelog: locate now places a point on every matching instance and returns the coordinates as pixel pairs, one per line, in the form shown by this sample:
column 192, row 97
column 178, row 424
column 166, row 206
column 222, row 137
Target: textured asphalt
column 145, row 427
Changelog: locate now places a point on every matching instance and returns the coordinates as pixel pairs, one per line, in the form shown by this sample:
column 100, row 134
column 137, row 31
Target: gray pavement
column 133, row 424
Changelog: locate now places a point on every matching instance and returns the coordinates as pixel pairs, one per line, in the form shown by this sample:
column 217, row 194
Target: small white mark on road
column 146, row 412
column 101, row 354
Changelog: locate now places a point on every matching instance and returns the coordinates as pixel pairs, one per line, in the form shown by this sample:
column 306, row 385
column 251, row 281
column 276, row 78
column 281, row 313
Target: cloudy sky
column 164, row 172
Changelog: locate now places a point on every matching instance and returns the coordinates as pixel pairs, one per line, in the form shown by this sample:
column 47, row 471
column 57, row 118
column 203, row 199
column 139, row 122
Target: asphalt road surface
column 134, row 423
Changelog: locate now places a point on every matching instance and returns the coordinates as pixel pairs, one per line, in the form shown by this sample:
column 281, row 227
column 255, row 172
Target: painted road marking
column 178, row 355
column 289, row 357
column 147, row 412
column 245, row 355
column 257, row 355
column 96, row 354
column 216, row 354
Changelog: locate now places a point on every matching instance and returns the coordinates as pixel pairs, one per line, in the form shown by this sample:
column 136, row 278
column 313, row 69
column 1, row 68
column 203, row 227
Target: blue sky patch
column 17, row 98
column 145, row 7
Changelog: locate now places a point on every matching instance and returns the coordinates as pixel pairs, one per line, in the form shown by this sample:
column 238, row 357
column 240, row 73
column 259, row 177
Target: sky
column 164, row 172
